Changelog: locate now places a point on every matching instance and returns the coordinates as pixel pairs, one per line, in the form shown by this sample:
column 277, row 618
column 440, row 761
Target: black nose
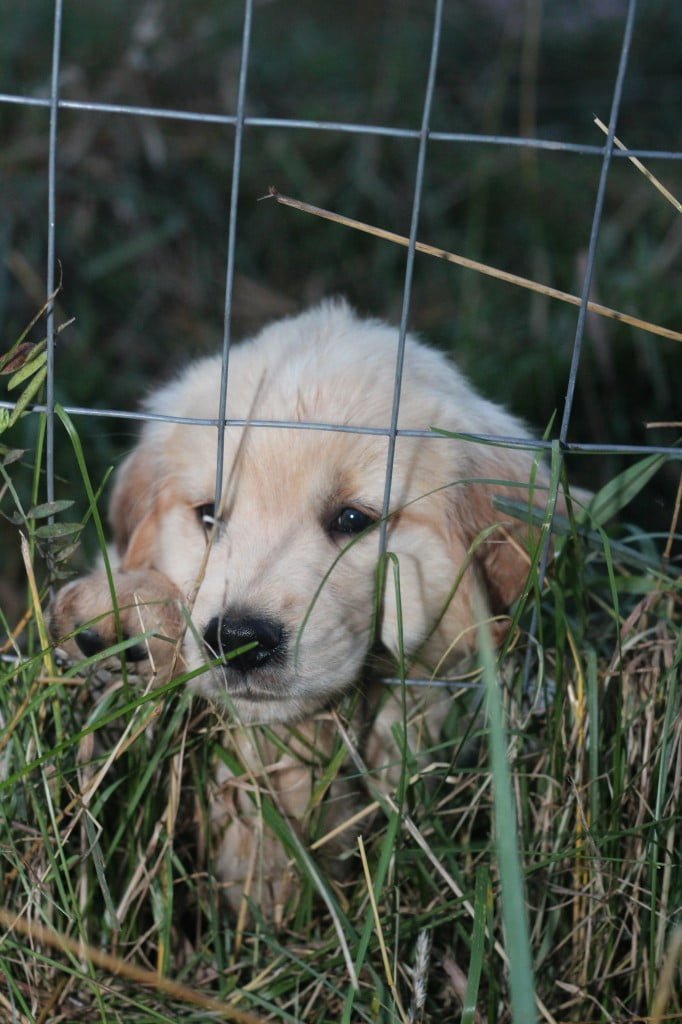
column 226, row 634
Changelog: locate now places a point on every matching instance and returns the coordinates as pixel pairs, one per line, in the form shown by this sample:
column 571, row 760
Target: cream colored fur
column 271, row 551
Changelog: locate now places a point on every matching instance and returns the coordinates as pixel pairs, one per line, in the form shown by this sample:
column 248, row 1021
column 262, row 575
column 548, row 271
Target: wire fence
column 425, row 136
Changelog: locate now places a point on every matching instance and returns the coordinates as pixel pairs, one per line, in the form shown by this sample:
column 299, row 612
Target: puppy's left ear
column 503, row 556
column 133, row 510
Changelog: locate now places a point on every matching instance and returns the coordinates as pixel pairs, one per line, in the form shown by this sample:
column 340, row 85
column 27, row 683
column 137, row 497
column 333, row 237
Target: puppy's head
column 281, row 578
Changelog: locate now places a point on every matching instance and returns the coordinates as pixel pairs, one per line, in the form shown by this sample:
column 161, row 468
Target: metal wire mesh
column 425, row 137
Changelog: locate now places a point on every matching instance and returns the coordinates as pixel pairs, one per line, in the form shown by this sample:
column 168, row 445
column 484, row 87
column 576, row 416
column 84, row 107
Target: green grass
column 541, row 866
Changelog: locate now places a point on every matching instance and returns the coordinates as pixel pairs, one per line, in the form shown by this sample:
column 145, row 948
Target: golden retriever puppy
column 280, row 579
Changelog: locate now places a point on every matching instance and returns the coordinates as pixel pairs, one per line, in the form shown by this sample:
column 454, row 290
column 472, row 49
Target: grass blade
column 620, row 491
column 514, row 916
column 477, row 946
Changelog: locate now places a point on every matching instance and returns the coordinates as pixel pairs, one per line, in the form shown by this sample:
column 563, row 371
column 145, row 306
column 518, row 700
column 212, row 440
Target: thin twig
column 481, row 268
column 121, row 968
column 37, row 610
column 644, row 170
column 380, row 935
column 666, row 980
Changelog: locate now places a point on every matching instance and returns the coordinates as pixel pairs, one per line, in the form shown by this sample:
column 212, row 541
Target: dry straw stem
column 37, row 610
column 13, row 636
column 640, row 167
column 666, row 981
column 39, row 933
column 672, row 532
column 481, row 268
column 380, row 935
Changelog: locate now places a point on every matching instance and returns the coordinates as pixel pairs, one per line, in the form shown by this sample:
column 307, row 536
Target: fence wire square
column 422, row 135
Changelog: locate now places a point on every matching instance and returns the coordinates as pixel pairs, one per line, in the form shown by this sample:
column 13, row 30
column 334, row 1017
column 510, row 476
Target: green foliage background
column 142, row 202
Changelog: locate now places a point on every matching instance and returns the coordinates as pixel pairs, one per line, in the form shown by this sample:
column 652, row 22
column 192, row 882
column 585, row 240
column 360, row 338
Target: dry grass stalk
column 45, row 936
column 379, row 932
column 481, row 268
column 666, row 193
column 420, row 974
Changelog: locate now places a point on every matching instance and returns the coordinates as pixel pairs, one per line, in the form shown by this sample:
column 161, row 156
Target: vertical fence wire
column 409, row 266
column 597, row 218
column 231, row 246
column 51, row 248
column 582, row 316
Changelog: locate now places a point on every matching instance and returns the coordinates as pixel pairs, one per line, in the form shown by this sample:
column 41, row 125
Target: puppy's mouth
column 260, row 691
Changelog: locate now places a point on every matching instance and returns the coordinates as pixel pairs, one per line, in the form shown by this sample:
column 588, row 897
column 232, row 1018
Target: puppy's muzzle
column 263, row 637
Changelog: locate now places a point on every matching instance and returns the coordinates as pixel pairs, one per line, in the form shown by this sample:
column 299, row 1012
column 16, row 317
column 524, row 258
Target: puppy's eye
column 350, row 521
column 205, row 515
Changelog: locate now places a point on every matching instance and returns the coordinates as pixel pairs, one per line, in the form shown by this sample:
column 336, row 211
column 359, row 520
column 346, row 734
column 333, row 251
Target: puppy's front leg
column 83, row 622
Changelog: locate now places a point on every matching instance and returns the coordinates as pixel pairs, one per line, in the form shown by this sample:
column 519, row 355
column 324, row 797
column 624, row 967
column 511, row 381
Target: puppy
column 279, row 581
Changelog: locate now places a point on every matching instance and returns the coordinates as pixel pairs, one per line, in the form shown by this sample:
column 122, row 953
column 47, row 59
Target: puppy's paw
column 83, row 623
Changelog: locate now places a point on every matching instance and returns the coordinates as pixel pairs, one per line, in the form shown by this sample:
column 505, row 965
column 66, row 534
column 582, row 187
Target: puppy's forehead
column 284, row 466
column 325, row 366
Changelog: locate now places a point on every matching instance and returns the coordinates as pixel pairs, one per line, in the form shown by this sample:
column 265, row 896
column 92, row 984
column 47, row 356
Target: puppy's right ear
column 132, row 510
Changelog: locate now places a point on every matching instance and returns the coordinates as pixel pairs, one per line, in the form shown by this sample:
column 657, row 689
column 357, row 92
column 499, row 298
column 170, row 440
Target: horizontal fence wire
column 349, row 128
column 54, row 104
column 425, row 137
column 503, row 441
